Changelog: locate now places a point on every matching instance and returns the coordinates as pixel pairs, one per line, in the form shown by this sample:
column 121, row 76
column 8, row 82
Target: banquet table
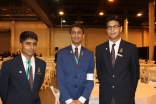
column 145, row 94
column 144, row 65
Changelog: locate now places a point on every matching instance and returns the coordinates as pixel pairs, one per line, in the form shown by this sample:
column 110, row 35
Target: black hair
column 27, row 35
column 115, row 18
column 56, row 48
column 76, row 25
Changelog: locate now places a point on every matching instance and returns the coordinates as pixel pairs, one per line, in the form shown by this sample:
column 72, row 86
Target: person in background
column 8, row 54
column 35, row 54
column 5, row 54
column 40, row 54
column 22, row 76
column 56, row 49
column 13, row 55
column 75, row 68
column 117, row 65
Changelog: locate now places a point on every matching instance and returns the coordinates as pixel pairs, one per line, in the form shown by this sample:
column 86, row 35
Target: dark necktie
column 113, row 55
column 76, row 55
column 30, row 75
column 76, row 52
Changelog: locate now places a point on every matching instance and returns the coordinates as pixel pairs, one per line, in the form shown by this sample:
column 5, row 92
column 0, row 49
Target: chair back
column 152, row 74
column 56, row 94
column 143, row 75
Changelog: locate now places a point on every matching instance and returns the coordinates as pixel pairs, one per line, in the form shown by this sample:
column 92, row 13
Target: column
column 52, row 42
column 145, row 37
column 48, row 42
column 125, row 24
column 12, row 45
column 126, row 29
column 84, row 41
column 51, row 47
column 151, row 29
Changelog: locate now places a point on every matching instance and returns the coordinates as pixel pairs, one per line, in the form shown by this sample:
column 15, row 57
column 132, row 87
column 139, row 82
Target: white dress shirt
column 25, row 65
column 79, row 49
column 81, row 98
column 116, row 47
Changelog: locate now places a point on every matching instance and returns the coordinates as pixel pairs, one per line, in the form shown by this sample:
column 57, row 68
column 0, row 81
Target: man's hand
column 78, row 102
column 73, row 102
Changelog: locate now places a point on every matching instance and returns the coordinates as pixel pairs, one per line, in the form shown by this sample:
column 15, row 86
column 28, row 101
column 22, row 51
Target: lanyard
column 76, row 59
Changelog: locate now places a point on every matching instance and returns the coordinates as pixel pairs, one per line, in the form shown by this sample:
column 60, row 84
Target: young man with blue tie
column 75, row 68
column 117, row 65
column 22, row 76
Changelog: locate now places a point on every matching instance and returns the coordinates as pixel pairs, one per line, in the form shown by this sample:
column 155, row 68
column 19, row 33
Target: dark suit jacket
column 121, row 81
column 72, row 78
column 14, row 85
column 55, row 60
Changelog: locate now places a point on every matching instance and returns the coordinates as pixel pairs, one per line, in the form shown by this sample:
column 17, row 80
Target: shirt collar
column 25, row 60
column 116, row 44
column 73, row 47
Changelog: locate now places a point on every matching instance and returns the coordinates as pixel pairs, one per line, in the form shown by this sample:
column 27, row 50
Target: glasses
column 74, row 32
column 115, row 27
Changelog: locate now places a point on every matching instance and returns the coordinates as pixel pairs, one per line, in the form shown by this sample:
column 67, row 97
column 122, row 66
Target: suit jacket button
column 113, row 76
column 76, row 86
column 113, row 86
column 76, row 77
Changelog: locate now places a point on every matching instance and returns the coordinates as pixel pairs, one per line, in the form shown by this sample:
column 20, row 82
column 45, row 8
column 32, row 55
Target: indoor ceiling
column 81, row 11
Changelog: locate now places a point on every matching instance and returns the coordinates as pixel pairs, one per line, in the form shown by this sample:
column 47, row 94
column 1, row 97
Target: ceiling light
column 63, row 20
column 61, row 13
column 110, row 0
column 139, row 14
column 101, row 13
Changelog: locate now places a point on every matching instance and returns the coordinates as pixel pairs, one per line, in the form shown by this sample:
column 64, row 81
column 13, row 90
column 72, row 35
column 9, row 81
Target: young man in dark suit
column 117, row 66
column 75, row 68
column 22, row 76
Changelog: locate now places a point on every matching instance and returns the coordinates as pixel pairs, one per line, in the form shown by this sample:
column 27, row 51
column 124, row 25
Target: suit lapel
column 21, row 70
column 107, row 54
column 36, row 77
column 81, row 55
column 71, row 53
column 120, row 53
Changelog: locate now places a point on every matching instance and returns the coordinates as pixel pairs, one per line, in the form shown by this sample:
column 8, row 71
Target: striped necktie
column 30, row 74
column 113, row 55
column 76, row 55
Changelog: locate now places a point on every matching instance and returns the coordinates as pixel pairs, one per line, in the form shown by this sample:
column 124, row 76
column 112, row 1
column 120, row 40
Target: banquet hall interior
column 51, row 19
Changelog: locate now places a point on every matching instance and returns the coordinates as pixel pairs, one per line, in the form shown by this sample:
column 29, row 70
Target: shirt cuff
column 82, row 99
column 90, row 76
column 69, row 101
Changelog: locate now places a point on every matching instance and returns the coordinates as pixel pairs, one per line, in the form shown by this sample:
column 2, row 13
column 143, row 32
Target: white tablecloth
column 145, row 94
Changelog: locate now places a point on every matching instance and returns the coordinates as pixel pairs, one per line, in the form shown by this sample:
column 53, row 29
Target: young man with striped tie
column 22, row 76
column 75, row 68
column 117, row 65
